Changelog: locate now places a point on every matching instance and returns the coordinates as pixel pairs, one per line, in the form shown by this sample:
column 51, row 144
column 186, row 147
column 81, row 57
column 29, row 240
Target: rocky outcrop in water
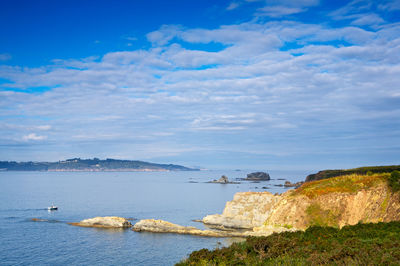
column 105, row 222
column 258, row 176
column 223, row 180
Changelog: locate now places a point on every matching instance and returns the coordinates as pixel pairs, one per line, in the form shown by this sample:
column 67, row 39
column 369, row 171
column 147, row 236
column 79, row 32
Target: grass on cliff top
column 348, row 183
column 360, row 171
column 361, row 244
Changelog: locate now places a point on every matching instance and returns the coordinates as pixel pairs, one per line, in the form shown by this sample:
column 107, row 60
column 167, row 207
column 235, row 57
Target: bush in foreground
column 361, row 244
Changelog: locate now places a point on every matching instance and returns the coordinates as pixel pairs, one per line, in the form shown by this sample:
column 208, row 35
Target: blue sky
column 253, row 84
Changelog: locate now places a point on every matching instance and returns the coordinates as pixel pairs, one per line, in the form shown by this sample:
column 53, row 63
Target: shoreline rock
column 104, row 222
column 160, row 226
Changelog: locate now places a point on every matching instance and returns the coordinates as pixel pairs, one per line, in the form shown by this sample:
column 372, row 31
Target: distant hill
column 361, row 171
column 95, row 164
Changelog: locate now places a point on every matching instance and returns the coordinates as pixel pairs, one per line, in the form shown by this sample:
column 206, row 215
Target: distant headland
column 91, row 165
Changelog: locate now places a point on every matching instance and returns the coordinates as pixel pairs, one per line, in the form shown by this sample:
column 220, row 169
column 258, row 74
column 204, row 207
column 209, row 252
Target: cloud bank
column 267, row 93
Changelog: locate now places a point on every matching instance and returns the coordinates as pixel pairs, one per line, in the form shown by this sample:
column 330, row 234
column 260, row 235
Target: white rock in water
column 160, row 226
column 106, row 222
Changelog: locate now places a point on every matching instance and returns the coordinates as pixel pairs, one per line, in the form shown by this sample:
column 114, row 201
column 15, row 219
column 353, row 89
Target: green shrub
column 361, row 244
column 394, row 181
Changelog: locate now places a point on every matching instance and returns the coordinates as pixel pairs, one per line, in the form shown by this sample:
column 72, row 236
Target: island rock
column 105, row 222
column 258, row 176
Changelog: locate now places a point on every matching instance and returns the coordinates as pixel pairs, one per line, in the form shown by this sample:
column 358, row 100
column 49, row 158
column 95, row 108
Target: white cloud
column 33, row 136
column 270, row 85
column 43, row 127
column 278, row 11
column 367, row 19
column 165, row 34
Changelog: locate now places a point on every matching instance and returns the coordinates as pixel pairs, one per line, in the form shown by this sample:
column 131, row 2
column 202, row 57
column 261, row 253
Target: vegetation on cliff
column 394, row 181
column 95, row 164
column 344, row 184
column 361, row 244
column 360, row 171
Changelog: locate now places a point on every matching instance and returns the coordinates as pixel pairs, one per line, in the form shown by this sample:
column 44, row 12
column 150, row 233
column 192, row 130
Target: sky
column 229, row 84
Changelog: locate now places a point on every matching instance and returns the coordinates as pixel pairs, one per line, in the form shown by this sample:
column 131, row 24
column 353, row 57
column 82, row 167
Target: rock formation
column 247, row 210
column 160, row 226
column 105, row 222
column 258, row 176
column 340, row 201
column 223, row 180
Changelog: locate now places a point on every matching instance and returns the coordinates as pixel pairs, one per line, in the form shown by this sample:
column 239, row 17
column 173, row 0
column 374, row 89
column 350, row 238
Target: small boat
column 52, row 208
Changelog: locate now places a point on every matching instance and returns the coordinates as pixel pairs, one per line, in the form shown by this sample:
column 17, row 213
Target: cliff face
column 337, row 202
column 246, row 210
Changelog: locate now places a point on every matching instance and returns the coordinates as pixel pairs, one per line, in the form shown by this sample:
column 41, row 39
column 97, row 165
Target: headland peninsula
column 91, row 165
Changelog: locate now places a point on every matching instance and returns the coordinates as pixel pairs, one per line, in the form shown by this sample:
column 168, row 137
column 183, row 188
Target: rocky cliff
column 344, row 200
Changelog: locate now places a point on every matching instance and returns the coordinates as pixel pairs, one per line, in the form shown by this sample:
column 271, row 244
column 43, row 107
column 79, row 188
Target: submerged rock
column 258, row 176
column 105, row 222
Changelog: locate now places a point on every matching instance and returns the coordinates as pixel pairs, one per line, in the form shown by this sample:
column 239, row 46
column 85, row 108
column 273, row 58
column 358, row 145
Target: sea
column 177, row 197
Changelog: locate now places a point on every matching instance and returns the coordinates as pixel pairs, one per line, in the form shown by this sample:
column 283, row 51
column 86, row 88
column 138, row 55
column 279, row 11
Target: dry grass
column 341, row 184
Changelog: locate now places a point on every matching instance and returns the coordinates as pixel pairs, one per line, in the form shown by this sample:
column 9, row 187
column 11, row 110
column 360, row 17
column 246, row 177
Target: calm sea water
column 171, row 196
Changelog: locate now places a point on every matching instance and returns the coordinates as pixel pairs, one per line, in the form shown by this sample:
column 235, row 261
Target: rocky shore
column 336, row 202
